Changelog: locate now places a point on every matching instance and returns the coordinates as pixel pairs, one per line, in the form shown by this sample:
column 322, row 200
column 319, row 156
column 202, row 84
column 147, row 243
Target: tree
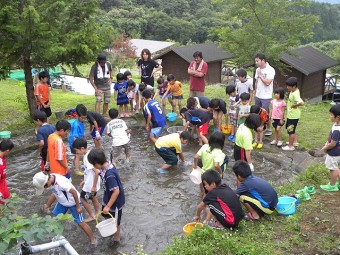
column 45, row 33
column 267, row 26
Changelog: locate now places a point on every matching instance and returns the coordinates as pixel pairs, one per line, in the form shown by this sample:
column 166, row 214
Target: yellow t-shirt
column 175, row 89
column 169, row 141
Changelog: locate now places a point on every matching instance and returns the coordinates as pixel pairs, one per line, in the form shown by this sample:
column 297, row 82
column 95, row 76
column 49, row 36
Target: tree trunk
column 29, row 85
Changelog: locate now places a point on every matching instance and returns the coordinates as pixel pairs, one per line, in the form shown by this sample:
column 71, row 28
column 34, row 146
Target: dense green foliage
column 15, row 228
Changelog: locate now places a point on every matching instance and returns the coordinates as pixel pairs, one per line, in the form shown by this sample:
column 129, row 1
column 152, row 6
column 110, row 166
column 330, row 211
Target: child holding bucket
column 210, row 156
column 256, row 194
column 90, row 185
column 114, row 198
column 332, row 148
column 224, row 205
column 67, row 197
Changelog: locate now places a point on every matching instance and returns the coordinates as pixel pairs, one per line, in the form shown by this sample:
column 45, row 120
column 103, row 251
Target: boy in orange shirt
column 56, row 155
column 174, row 87
column 42, row 94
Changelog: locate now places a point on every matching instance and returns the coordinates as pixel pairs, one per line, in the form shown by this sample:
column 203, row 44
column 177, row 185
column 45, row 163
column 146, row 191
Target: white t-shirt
column 89, row 175
column 61, row 190
column 263, row 91
column 244, row 87
column 117, row 128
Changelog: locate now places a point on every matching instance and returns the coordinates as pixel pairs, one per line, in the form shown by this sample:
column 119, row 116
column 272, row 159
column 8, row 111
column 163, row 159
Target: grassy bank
column 312, row 130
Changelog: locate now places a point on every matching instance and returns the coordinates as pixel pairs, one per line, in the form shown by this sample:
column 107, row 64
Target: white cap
column 39, row 181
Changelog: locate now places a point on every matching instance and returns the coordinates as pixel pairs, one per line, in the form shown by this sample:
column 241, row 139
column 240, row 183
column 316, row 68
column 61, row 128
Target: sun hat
column 39, row 181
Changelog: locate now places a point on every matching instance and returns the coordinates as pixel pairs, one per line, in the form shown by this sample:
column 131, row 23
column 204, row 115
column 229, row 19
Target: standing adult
column 101, row 79
column 147, row 67
column 264, row 77
column 197, row 71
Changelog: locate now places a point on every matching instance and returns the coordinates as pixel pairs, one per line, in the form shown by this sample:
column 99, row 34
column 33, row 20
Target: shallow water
column 157, row 205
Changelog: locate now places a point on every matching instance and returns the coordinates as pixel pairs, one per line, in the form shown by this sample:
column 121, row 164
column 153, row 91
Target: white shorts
column 332, row 162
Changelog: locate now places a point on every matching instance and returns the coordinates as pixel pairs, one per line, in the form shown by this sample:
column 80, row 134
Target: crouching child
column 225, row 210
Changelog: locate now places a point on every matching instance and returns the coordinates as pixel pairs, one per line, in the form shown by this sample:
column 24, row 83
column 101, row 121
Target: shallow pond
column 157, row 205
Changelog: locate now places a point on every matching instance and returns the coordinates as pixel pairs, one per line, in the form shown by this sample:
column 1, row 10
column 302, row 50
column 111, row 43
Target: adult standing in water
column 101, row 79
column 197, row 71
column 147, row 67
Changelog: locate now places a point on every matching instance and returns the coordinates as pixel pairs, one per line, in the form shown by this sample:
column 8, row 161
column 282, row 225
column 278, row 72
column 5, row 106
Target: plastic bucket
column 106, row 227
column 188, row 228
column 286, row 205
column 196, row 175
column 5, row 134
column 226, row 129
column 174, row 129
column 171, row 116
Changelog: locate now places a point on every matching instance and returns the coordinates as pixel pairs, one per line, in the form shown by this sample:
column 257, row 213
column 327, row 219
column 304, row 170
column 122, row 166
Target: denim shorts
column 156, row 132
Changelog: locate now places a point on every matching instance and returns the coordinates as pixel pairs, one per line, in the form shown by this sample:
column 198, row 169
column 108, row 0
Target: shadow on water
column 157, row 205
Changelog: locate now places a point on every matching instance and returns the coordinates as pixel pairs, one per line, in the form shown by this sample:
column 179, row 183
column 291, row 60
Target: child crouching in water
column 91, row 183
column 114, row 198
column 224, row 205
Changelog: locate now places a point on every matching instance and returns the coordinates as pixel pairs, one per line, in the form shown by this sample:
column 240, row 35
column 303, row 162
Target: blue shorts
column 169, row 95
column 156, row 132
column 59, row 208
column 93, row 133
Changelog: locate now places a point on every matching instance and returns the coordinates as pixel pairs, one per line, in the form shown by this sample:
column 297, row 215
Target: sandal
column 307, row 189
column 250, row 217
column 303, row 196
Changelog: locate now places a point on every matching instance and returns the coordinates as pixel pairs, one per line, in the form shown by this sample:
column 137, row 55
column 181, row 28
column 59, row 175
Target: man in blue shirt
column 256, row 194
column 153, row 114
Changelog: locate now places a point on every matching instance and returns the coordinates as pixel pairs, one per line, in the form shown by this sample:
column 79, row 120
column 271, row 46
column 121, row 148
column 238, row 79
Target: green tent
column 20, row 75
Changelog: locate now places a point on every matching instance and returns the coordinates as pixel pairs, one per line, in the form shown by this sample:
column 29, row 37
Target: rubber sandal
column 259, row 146
column 79, row 173
column 163, row 171
column 303, row 196
column 250, row 217
column 308, row 189
column 255, row 145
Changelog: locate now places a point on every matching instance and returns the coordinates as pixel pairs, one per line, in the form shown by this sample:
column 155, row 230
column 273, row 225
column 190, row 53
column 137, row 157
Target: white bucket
column 106, row 227
column 196, row 175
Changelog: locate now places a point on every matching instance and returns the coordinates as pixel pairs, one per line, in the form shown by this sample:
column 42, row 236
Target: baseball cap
column 101, row 57
column 39, row 181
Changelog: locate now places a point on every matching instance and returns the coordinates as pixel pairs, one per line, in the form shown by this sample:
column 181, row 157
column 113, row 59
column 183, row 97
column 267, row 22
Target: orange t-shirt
column 175, row 89
column 56, row 150
column 43, row 91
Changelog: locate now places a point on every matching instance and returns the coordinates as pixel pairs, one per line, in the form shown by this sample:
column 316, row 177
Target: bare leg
column 97, row 107
column 96, row 143
column 96, row 205
column 292, row 138
column 88, row 208
column 334, row 176
column 166, row 166
column 88, row 231
column 76, row 162
column 116, row 236
column 278, row 134
column 252, row 211
column 153, row 139
column 105, row 107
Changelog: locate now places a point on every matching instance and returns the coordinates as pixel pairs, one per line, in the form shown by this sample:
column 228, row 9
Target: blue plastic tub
column 171, row 116
column 5, row 134
column 286, row 205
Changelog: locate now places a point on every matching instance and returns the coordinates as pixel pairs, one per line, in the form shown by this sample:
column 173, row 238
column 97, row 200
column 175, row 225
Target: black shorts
column 168, row 154
column 291, row 126
column 83, row 193
column 239, row 153
column 276, row 123
column 107, row 216
column 247, row 198
column 46, row 110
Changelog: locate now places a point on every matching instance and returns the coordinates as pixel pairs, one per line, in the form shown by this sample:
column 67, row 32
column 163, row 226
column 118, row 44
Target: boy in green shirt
column 293, row 112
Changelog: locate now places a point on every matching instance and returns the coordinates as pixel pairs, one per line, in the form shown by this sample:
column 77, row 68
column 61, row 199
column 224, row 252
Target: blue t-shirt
column 334, row 136
column 197, row 117
column 43, row 132
column 157, row 117
column 111, row 181
column 77, row 131
column 204, row 102
column 259, row 189
column 121, row 89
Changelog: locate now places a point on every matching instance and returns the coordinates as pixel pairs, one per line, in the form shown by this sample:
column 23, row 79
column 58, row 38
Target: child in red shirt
column 5, row 148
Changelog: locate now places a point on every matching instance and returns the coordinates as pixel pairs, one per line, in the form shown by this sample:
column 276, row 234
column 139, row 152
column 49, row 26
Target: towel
column 100, row 74
column 199, row 68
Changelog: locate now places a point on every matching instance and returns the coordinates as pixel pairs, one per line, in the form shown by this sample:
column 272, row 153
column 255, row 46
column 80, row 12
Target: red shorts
column 204, row 129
